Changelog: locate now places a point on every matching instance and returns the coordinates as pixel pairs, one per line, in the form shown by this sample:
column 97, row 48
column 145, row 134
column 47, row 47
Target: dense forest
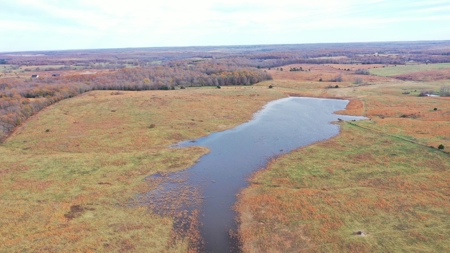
column 64, row 74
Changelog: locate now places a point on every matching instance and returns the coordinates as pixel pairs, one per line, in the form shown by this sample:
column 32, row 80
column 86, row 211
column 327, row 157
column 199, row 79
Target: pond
column 208, row 189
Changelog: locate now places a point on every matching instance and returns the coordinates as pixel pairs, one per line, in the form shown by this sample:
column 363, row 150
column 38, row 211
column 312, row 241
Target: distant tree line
column 169, row 68
column 19, row 98
column 265, row 56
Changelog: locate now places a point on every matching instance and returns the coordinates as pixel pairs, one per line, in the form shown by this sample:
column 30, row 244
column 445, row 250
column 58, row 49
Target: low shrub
column 362, row 72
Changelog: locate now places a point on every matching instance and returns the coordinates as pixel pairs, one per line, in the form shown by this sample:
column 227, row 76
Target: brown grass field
column 70, row 174
column 379, row 176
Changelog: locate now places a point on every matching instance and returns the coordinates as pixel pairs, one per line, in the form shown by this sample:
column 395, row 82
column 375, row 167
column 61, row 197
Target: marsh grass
column 378, row 176
column 72, row 188
column 317, row 197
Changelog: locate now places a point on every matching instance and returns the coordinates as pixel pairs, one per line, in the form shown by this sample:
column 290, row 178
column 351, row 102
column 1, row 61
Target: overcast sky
column 81, row 24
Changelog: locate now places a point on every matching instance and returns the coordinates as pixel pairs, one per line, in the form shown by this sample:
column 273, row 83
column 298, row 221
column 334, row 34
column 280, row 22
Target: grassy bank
column 376, row 187
column 316, row 198
column 69, row 174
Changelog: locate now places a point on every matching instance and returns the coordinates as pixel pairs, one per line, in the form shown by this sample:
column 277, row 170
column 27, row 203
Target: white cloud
column 58, row 24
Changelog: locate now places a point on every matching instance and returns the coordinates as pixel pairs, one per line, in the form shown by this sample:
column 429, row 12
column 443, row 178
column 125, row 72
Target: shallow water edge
column 208, row 189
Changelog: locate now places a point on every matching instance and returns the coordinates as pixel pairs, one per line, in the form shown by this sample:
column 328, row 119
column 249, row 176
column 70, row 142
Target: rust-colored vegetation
column 382, row 185
column 70, row 174
column 315, row 199
column 426, row 76
column 73, row 188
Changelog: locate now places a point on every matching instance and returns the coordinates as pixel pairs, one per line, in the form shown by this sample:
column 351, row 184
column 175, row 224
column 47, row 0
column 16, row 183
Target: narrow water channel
column 280, row 127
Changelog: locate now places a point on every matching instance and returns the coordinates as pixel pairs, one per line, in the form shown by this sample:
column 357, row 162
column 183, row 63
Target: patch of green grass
column 9, row 70
column 405, row 69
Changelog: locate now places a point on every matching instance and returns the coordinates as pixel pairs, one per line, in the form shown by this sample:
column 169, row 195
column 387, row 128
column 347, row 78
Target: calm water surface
column 280, row 127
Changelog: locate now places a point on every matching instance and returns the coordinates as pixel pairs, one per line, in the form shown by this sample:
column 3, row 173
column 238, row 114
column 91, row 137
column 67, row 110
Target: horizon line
column 212, row 46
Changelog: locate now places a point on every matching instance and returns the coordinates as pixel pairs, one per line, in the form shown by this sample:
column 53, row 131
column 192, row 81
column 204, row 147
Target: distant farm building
column 56, row 74
column 34, row 76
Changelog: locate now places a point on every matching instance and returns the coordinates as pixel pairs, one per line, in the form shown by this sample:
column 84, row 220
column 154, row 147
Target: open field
column 307, row 83
column 353, row 67
column 315, row 199
column 406, row 69
column 69, row 174
column 38, row 68
column 378, row 176
column 25, row 72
